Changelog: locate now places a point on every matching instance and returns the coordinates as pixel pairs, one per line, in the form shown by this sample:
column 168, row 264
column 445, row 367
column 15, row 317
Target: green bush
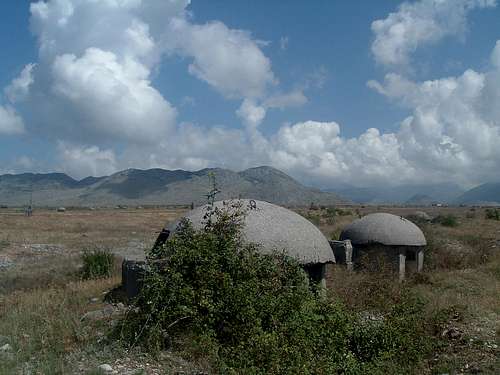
column 492, row 214
column 446, row 220
column 4, row 243
column 313, row 218
column 342, row 212
column 97, row 264
column 330, row 214
column 214, row 297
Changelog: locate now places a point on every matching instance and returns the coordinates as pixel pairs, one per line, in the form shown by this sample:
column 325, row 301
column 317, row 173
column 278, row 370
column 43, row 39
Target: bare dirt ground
column 45, row 307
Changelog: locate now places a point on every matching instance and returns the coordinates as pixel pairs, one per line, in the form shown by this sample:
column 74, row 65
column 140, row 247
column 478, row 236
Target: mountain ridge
column 401, row 194
column 158, row 186
column 487, row 193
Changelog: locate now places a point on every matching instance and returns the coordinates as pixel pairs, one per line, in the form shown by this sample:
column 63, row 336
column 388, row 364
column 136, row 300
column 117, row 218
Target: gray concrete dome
column 385, row 229
column 275, row 228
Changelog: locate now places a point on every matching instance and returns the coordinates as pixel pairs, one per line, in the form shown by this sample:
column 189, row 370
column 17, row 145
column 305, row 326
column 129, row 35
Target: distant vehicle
column 61, row 209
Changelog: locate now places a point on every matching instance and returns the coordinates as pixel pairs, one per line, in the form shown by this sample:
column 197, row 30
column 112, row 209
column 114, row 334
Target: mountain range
column 179, row 187
column 418, row 194
column 422, row 194
column 485, row 194
column 158, row 187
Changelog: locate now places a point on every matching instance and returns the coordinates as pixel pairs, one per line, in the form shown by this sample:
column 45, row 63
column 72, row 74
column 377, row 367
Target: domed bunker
column 275, row 228
column 383, row 235
column 271, row 227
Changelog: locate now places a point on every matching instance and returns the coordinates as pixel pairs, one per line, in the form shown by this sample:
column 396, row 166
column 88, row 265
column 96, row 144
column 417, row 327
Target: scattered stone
column 106, row 368
column 451, row 333
column 5, row 263
column 45, row 248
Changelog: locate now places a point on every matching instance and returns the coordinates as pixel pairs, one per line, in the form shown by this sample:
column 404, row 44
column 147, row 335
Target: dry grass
column 44, row 326
column 42, row 299
column 461, row 287
column 78, row 228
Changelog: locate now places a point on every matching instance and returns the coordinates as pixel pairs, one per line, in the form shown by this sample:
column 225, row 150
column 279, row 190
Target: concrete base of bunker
column 343, row 252
column 132, row 275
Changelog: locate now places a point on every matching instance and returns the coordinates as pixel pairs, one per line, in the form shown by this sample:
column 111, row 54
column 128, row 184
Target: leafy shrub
column 335, row 235
column 215, row 297
column 4, row 243
column 315, row 219
column 446, row 220
column 342, row 212
column 492, row 214
column 97, row 264
column 330, row 214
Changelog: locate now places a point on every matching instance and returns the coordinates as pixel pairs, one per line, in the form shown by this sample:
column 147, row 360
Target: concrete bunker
column 275, row 228
column 271, row 227
column 387, row 238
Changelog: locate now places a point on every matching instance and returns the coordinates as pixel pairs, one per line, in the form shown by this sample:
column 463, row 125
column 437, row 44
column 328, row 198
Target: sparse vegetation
column 329, row 213
column 470, row 215
column 454, row 304
column 4, row 243
column 43, row 326
column 315, row 219
column 97, row 263
column 250, row 313
column 343, row 212
column 449, row 220
column 492, row 214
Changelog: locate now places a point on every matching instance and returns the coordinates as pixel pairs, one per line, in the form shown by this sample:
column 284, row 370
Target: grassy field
column 52, row 322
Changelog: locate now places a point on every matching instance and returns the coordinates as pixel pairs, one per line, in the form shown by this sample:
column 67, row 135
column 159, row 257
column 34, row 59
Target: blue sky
column 366, row 93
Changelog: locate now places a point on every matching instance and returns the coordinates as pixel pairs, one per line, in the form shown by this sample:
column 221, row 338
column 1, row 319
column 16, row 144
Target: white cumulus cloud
column 453, row 131
column 82, row 161
column 419, row 23
column 10, row 122
column 227, row 59
column 111, row 97
column 19, row 88
column 251, row 113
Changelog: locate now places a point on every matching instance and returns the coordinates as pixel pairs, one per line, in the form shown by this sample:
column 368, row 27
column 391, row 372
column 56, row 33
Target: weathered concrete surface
column 385, row 229
column 343, row 252
column 420, row 261
column 275, row 228
column 402, row 266
column 132, row 275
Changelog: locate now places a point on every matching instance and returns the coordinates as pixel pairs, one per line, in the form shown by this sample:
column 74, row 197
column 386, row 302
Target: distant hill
column 488, row 193
column 445, row 193
column 158, row 187
column 420, row 200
